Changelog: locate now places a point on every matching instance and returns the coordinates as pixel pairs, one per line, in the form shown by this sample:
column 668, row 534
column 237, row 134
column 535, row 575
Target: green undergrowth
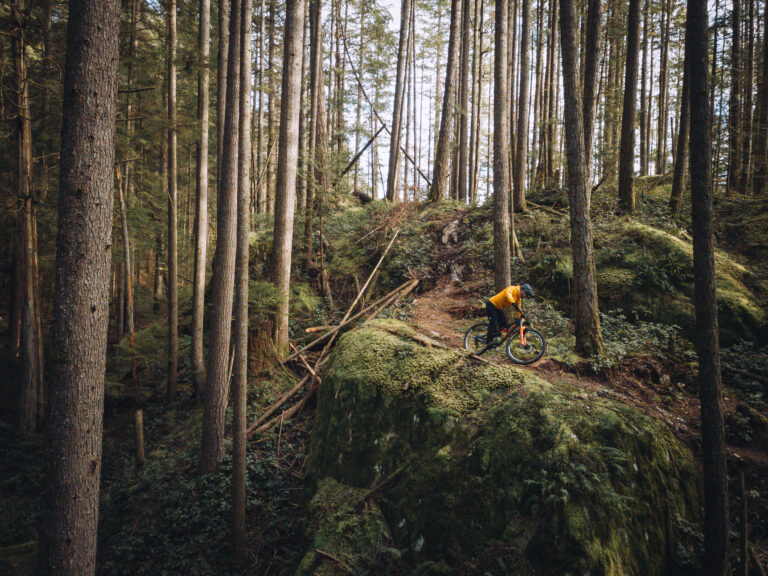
column 644, row 268
column 460, row 456
column 168, row 519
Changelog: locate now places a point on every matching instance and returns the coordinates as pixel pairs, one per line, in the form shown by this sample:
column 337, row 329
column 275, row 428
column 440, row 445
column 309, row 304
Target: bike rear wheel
column 535, row 347
column 475, row 338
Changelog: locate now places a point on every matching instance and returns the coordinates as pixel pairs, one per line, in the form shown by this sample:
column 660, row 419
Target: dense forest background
column 205, row 206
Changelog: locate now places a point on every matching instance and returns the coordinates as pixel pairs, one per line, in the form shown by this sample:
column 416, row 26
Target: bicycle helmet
column 527, row 290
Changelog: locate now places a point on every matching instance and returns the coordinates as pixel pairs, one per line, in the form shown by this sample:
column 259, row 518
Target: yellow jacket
column 510, row 295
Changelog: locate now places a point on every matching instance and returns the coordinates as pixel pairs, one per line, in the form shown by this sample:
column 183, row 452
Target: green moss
column 471, row 453
column 343, row 526
column 647, row 273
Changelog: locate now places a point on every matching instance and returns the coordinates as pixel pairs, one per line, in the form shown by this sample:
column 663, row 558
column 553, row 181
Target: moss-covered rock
column 461, row 456
column 345, row 531
column 647, row 272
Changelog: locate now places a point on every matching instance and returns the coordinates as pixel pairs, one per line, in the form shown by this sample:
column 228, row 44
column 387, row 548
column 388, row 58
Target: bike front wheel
column 535, row 347
column 475, row 338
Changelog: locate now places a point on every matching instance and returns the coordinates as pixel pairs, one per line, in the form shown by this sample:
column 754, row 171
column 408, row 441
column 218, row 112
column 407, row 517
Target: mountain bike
column 524, row 344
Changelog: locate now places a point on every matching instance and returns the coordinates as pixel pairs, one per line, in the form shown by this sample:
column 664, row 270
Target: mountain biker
column 510, row 296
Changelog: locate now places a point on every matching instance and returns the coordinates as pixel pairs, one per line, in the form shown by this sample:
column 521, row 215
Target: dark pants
column 496, row 320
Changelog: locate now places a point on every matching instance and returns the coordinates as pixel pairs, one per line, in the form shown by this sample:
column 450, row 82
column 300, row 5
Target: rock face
column 442, row 461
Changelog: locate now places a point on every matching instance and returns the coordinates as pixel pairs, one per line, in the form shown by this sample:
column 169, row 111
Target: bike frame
column 506, row 332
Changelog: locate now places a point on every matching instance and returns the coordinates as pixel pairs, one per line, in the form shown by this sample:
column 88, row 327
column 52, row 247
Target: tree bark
column 217, row 374
column 393, row 175
column 501, row 106
column 591, row 61
column 221, row 83
column 746, row 146
column 359, row 102
column 260, row 145
column 475, row 103
column 661, row 135
column 201, row 205
column 681, row 152
column 643, row 97
column 29, row 336
column 272, row 109
column 629, row 113
column 318, row 134
column 173, row 291
column 734, row 101
column 707, row 344
column 287, row 165
column 240, row 328
column 521, row 148
column 442, row 172
column 589, row 340
column 463, row 103
column 70, row 502
column 760, row 154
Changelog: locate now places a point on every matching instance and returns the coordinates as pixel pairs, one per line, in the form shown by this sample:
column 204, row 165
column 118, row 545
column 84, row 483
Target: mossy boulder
column 460, row 456
column 648, row 274
column 345, row 531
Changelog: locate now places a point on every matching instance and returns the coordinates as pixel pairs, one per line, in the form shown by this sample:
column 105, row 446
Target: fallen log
column 363, row 312
column 315, row 329
column 274, row 407
column 292, row 411
column 306, row 364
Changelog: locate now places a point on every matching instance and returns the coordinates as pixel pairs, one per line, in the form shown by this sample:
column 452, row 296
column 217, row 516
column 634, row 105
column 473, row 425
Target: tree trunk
column 173, row 292
column 287, row 165
column 318, row 135
column 627, row 149
column 135, row 386
column 521, row 148
column 442, row 171
column 464, row 81
column 681, row 151
column 512, row 45
column 746, row 148
column 397, row 115
column 221, row 83
column 157, row 288
column 359, row 101
column 338, row 71
column 501, row 106
column 217, row 376
column 201, row 206
column 707, row 344
column 760, row 153
column 591, row 61
column 479, row 102
column 240, row 328
column 272, row 110
column 538, row 93
column 734, row 101
column 589, row 339
column 260, row 145
column 661, row 134
column 643, row 97
column 70, row 502
column 474, row 106
column 29, row 336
